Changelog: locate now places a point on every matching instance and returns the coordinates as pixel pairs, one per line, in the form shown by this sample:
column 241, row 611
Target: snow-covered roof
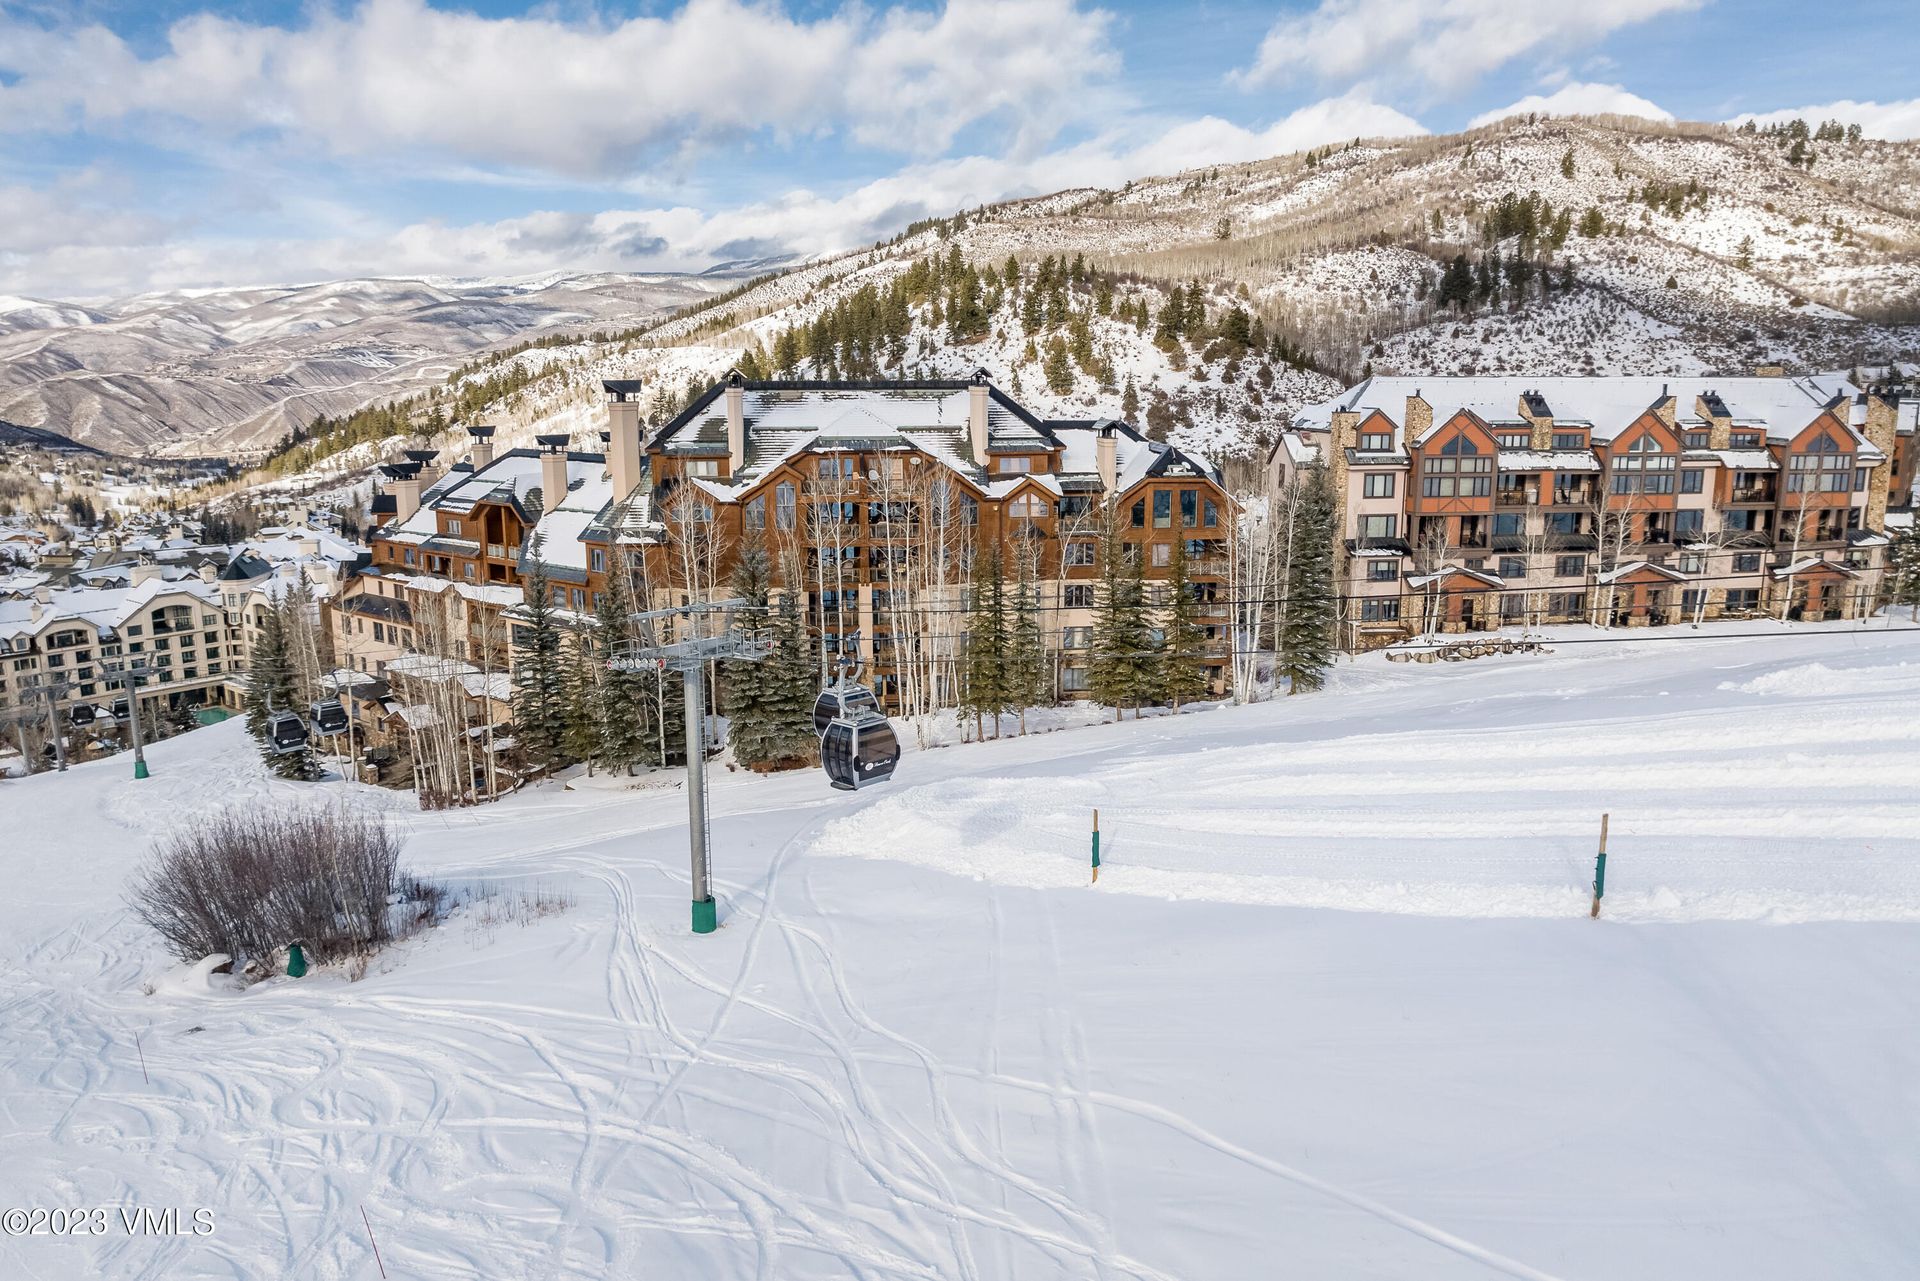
column 1608, row 405
column 105, row 609
column 1548, row 460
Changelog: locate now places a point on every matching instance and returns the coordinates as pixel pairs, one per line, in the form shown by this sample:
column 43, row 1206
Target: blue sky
column 181, row 143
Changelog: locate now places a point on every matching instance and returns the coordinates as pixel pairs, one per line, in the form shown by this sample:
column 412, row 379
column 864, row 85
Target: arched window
column 1643, row 467
column 1458, row 471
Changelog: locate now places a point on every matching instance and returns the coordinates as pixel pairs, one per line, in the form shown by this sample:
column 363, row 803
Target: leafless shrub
column 249, row 882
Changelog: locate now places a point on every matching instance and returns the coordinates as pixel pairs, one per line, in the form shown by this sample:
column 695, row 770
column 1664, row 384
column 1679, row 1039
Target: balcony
column 1529, row 497
column 1758, row 494
column 1574, row 497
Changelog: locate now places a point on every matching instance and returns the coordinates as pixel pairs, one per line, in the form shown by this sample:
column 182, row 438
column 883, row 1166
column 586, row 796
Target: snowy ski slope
column 921, row 1047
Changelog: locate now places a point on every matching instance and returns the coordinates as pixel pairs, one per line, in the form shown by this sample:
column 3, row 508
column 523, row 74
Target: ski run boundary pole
column 1096, row 847
column 1600, row 868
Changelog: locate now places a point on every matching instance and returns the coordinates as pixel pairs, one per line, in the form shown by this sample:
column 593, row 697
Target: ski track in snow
column 600, row 1094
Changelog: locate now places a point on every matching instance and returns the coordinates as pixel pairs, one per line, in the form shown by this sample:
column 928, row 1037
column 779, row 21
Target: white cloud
column 1893, row 121
column 1578, row 100
column 581, row 97
column 1443, row 45
column 85, row 261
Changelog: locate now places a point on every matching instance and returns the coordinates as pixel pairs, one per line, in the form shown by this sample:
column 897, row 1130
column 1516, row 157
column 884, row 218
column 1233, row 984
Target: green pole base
column 706, row 916
column 140, row 769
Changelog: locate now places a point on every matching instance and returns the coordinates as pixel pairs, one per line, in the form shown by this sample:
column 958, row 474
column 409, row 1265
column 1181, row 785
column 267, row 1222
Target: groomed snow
column 949, row 1057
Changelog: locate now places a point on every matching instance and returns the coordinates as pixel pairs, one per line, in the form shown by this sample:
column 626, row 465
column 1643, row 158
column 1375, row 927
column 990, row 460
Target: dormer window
column 1017, row 463
column 1569, row 440
column 1746, row 440
column 708, row 467
column 1376, row 442
column 1513, row 440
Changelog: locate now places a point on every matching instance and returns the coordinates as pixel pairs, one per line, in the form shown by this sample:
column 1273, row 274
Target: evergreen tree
column 987, row 688
column 1566, row 164
column 1130, row 401
column 623, row 711
column 1456, row 286
column 770, row 702
column 273, row 686
column 581, row 739
column 1058, row 368
column 1183, row 675
column 539, row 676
column 1312, row 607
column 1027, row 681
column 1121, row 671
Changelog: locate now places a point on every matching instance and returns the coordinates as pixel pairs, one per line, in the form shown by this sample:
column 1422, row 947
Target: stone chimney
column 405, row 488
column 482, row 452
column 736, row 422
column 208, row 573
column 1419, row 418
column 144, row 573
column 1667, row 408
column 1539, row 417
column 1882, row 428
column 553, row 471
column 1106, row 449
column 623, row 445
column 1709, row 406
column 977, row 417
column 429, row 469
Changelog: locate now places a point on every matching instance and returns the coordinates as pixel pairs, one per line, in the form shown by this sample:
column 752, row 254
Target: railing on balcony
column 1528, row 497
column 1761, row 494
column 1574, row 497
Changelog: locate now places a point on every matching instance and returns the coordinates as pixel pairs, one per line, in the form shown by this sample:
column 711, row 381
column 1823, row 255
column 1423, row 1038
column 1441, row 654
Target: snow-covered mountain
column 1685, row 249
column 1644, row 248
column 215, row 371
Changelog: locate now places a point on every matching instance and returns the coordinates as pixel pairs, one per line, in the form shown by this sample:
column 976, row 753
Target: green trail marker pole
column 1096, row 847
column 1600, row 868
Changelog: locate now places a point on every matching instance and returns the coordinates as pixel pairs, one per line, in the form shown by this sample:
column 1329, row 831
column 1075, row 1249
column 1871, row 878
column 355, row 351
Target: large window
column 1162, row 508
column 1381, row 609
column 1078, row 553
column 1458, row 471
column 1189, row 508
column 1378, row 526
column 1643, row 468
column 1378, row 484
column 1512, row 567
column 1570, row 566
column 1383, row 571
column 756, row 513
column 1077, row 596
column 783, row 505
column 1028, row 507
column 1376, row 442
column 1569, row 440
column 1507, row 525
column 1692, row 480
column 1821, row 468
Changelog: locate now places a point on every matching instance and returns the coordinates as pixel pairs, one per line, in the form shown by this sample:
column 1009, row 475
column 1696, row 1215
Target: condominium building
column 870, row 498
column 1470, row 503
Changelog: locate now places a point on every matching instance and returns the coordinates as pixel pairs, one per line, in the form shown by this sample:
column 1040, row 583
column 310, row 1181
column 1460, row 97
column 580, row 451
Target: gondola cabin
column 122, row 709
column 287, row 732
column 841, row 700
column 81, row 714
column 859, row 750
column 329, row 718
